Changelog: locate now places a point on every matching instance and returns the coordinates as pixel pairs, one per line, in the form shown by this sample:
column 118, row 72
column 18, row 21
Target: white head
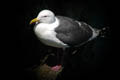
column 45, row 16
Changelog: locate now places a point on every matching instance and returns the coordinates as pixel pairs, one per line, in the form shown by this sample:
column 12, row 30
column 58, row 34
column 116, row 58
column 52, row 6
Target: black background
column 85, row 65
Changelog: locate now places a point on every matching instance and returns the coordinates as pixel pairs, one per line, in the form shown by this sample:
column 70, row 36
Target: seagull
column 62, row 32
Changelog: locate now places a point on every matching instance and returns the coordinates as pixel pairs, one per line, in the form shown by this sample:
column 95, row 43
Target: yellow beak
column 34, row 20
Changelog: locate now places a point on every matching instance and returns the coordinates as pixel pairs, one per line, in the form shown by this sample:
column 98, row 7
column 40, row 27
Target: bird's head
column 45, row 16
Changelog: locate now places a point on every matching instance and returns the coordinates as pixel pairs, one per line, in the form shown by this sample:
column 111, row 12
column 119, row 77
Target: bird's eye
column 45, row 16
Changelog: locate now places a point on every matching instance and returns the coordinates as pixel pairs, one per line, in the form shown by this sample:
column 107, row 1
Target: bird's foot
column 56, row 68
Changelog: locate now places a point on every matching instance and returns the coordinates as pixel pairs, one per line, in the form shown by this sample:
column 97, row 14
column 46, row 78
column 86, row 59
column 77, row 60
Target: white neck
column 43, row 27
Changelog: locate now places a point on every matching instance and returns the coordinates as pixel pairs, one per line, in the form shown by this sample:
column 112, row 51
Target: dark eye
column 45, row 16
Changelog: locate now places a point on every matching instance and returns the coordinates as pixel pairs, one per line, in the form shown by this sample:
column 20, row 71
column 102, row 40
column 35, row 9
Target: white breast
column 46, row 33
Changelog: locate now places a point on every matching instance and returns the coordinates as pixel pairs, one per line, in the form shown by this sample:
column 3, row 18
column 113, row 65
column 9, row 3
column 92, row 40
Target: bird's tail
column 103, row 32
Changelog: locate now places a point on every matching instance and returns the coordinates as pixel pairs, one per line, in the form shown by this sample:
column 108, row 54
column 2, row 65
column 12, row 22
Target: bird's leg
column 57, row 56
column 63, row 57
column 58, row 66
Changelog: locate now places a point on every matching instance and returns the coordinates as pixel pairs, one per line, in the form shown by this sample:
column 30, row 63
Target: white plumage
column 46, row 33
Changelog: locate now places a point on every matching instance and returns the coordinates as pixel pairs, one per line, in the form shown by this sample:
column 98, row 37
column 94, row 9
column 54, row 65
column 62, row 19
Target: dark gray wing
column 71, row 33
